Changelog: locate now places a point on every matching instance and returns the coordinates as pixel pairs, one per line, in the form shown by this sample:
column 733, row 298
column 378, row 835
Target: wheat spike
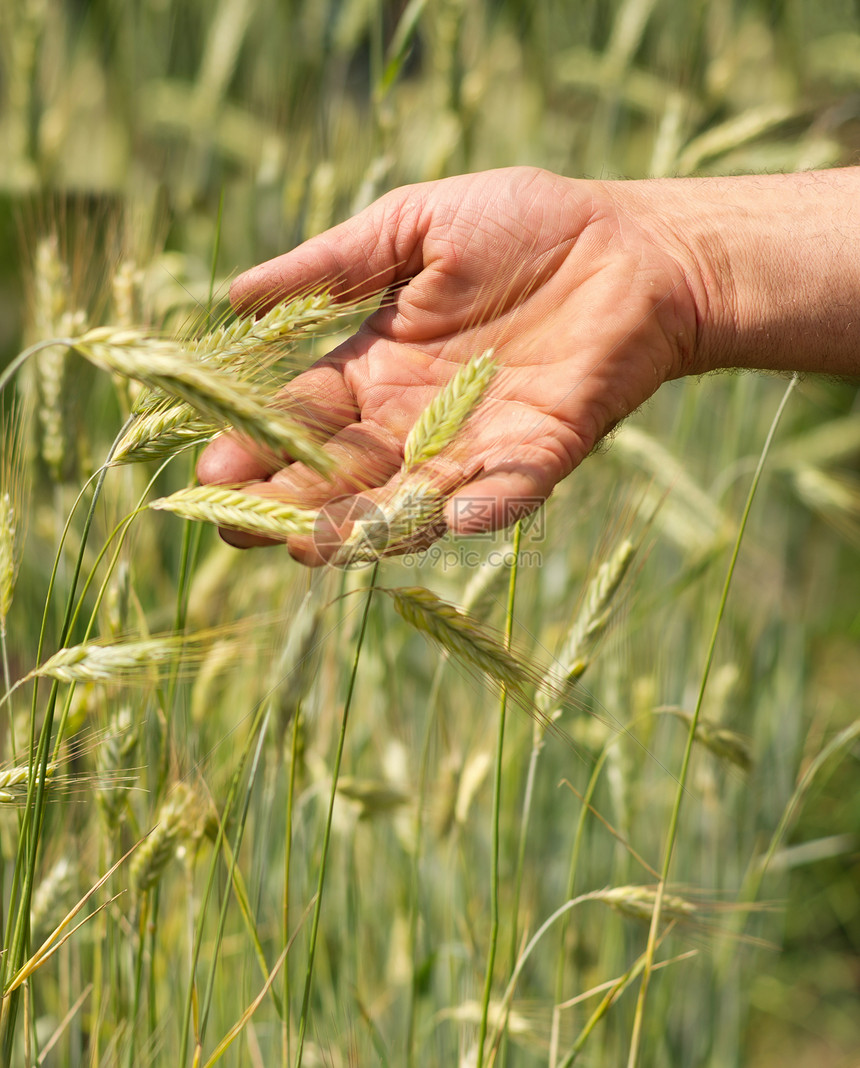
column 459, row 634
column 175, row 824
column 589, row 626
column 13, row 470
column 295, row 669
column 162, row 431
column 14, row 781
column 116, row 747
column 118, row 601
column 8, row 562
column 441, row 420
column 486, row 586
column 415, row 507
column 238, row 510
column 133, row 659
column 372, row 797
column 725, row 744
column 125, row 290
column 638, row 902
column 92, row 662
column 243, row 347
column 52, row 317
column 52, row 899
column 217, row 395
column 285, row 321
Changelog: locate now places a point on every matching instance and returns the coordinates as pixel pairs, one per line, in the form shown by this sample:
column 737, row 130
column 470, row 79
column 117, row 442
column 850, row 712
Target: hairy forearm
column 773, row 264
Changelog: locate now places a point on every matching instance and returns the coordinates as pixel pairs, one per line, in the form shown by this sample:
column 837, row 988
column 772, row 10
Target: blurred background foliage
column 166, row 133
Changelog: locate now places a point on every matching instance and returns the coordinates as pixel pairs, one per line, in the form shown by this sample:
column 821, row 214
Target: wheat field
column 564, row 794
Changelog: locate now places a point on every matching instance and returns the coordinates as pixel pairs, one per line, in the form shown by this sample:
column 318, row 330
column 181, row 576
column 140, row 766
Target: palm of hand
column 586, row 317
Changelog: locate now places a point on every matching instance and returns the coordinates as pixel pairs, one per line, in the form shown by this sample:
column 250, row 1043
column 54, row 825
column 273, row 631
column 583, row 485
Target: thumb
column 373, row 250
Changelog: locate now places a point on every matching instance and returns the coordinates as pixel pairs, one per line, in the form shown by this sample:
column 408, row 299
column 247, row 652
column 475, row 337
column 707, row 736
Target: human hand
column 586, row 311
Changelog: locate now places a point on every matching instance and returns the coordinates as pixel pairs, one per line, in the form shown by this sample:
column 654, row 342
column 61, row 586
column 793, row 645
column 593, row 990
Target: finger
column 362, row 256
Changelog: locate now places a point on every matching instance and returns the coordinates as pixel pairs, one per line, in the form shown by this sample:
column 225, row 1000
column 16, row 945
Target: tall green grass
column 226, row 844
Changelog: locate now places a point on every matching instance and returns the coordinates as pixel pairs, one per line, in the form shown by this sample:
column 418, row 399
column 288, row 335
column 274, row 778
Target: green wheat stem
column 237, row 845
column 191, row 535
column 639, row 1017
column 288, row 855
column 33, row 814
column 414, row 910
column 216, row 248
column 497, row 807
column 15, row 365
column 197, row 944
column 315, row 922
column 606, row 1003
column 571, row 883
column 152, row 1000
column 143, row 909
column 119, row 533
column 257, row 727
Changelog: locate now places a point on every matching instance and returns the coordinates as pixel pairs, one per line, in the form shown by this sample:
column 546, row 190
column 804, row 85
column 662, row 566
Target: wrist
column 771, row 262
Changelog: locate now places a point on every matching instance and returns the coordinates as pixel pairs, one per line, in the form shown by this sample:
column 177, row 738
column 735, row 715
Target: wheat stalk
column 441, row 420
column 240, row 511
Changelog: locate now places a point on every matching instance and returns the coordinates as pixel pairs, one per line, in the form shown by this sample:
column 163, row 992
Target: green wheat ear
column 441, row 420
column 459, row 634
column 229, row 507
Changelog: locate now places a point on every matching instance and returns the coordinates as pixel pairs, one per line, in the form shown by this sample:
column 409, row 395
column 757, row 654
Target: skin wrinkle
column 407, row 260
